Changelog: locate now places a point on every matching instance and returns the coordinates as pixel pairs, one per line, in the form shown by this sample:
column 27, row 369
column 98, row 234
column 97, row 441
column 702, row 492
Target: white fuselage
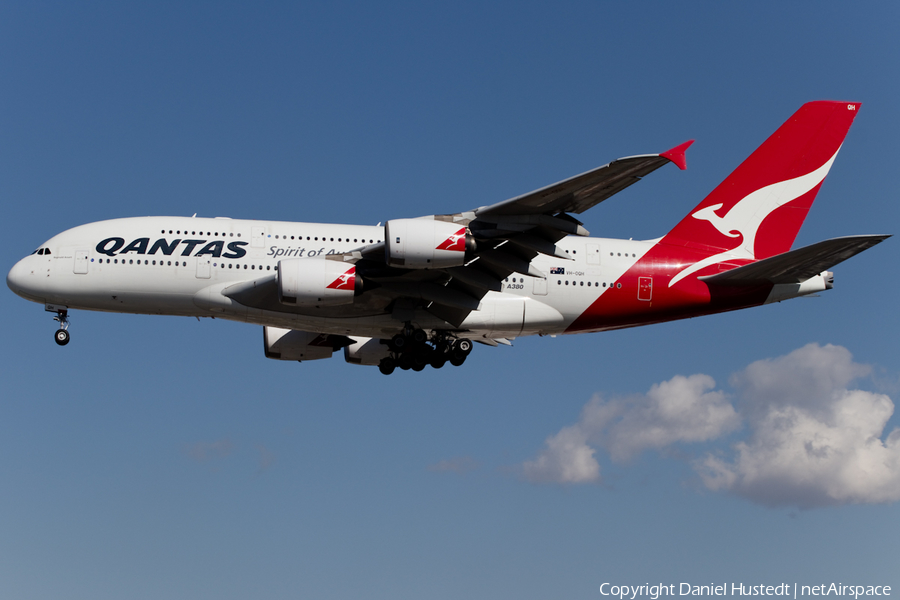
column 180, row 266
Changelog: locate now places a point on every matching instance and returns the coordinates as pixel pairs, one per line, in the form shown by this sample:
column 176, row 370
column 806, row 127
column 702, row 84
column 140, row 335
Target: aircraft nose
column 21, row 279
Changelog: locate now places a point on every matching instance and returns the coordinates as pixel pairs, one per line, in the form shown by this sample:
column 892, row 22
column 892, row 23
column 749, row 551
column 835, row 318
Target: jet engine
column 289, row 344
column 426, row 243
column 317, row 282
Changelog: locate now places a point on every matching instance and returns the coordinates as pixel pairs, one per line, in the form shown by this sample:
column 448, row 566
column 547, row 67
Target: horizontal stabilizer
column 798, row 265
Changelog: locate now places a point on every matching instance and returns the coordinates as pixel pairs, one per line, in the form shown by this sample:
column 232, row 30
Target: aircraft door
column 645, row 288
column 204, row 267
column 257, row 237
column 593, row 253
column 540, row 286
column 81, row 263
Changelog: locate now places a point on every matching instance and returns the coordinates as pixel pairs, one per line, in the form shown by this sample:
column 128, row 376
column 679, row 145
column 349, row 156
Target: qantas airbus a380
column 420, row 291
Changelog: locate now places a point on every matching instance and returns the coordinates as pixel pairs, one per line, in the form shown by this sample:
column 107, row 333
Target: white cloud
column 813, row 441
column 679, row 410
column 566, row 458
column 804, row 378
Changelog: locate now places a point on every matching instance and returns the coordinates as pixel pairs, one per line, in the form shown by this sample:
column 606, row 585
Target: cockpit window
column 43, row 251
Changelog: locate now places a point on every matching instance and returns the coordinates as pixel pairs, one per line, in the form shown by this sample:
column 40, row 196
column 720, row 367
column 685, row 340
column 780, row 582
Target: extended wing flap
column 798, row 265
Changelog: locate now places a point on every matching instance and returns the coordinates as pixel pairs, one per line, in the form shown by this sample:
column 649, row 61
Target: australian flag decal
column 558, row 271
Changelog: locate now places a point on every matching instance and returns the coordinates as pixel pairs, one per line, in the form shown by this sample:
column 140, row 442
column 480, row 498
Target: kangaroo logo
column 745, row 217
column 456, row 242
column 347, row 281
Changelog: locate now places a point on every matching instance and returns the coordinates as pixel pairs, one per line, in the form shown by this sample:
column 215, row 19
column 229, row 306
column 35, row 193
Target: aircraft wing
column 581, row 192
column 507, row 236
column 798, row 265
column 502, row 239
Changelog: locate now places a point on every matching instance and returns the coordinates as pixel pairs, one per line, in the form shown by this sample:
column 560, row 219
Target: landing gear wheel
column 398, row 343
column 419, row 337
column 419, row 360
column 457, row 360
column 386, row 365
column 463, row 347
column 62, row 337
column 405, row 362
column 438, row 361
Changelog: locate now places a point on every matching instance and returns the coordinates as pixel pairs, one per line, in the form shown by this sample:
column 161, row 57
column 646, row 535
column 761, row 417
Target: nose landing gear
column 62, row 334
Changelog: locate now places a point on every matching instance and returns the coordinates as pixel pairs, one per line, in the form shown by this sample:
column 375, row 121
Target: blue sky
column 161, row 457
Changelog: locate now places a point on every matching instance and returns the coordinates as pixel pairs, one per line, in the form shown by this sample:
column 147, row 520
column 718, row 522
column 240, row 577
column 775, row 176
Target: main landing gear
column 412, row 350
column 62, row 334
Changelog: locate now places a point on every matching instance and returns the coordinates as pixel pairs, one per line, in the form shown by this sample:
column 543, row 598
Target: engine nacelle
column 425, row 243
column 316, row 282
column 366, row 351
column 289, row 344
